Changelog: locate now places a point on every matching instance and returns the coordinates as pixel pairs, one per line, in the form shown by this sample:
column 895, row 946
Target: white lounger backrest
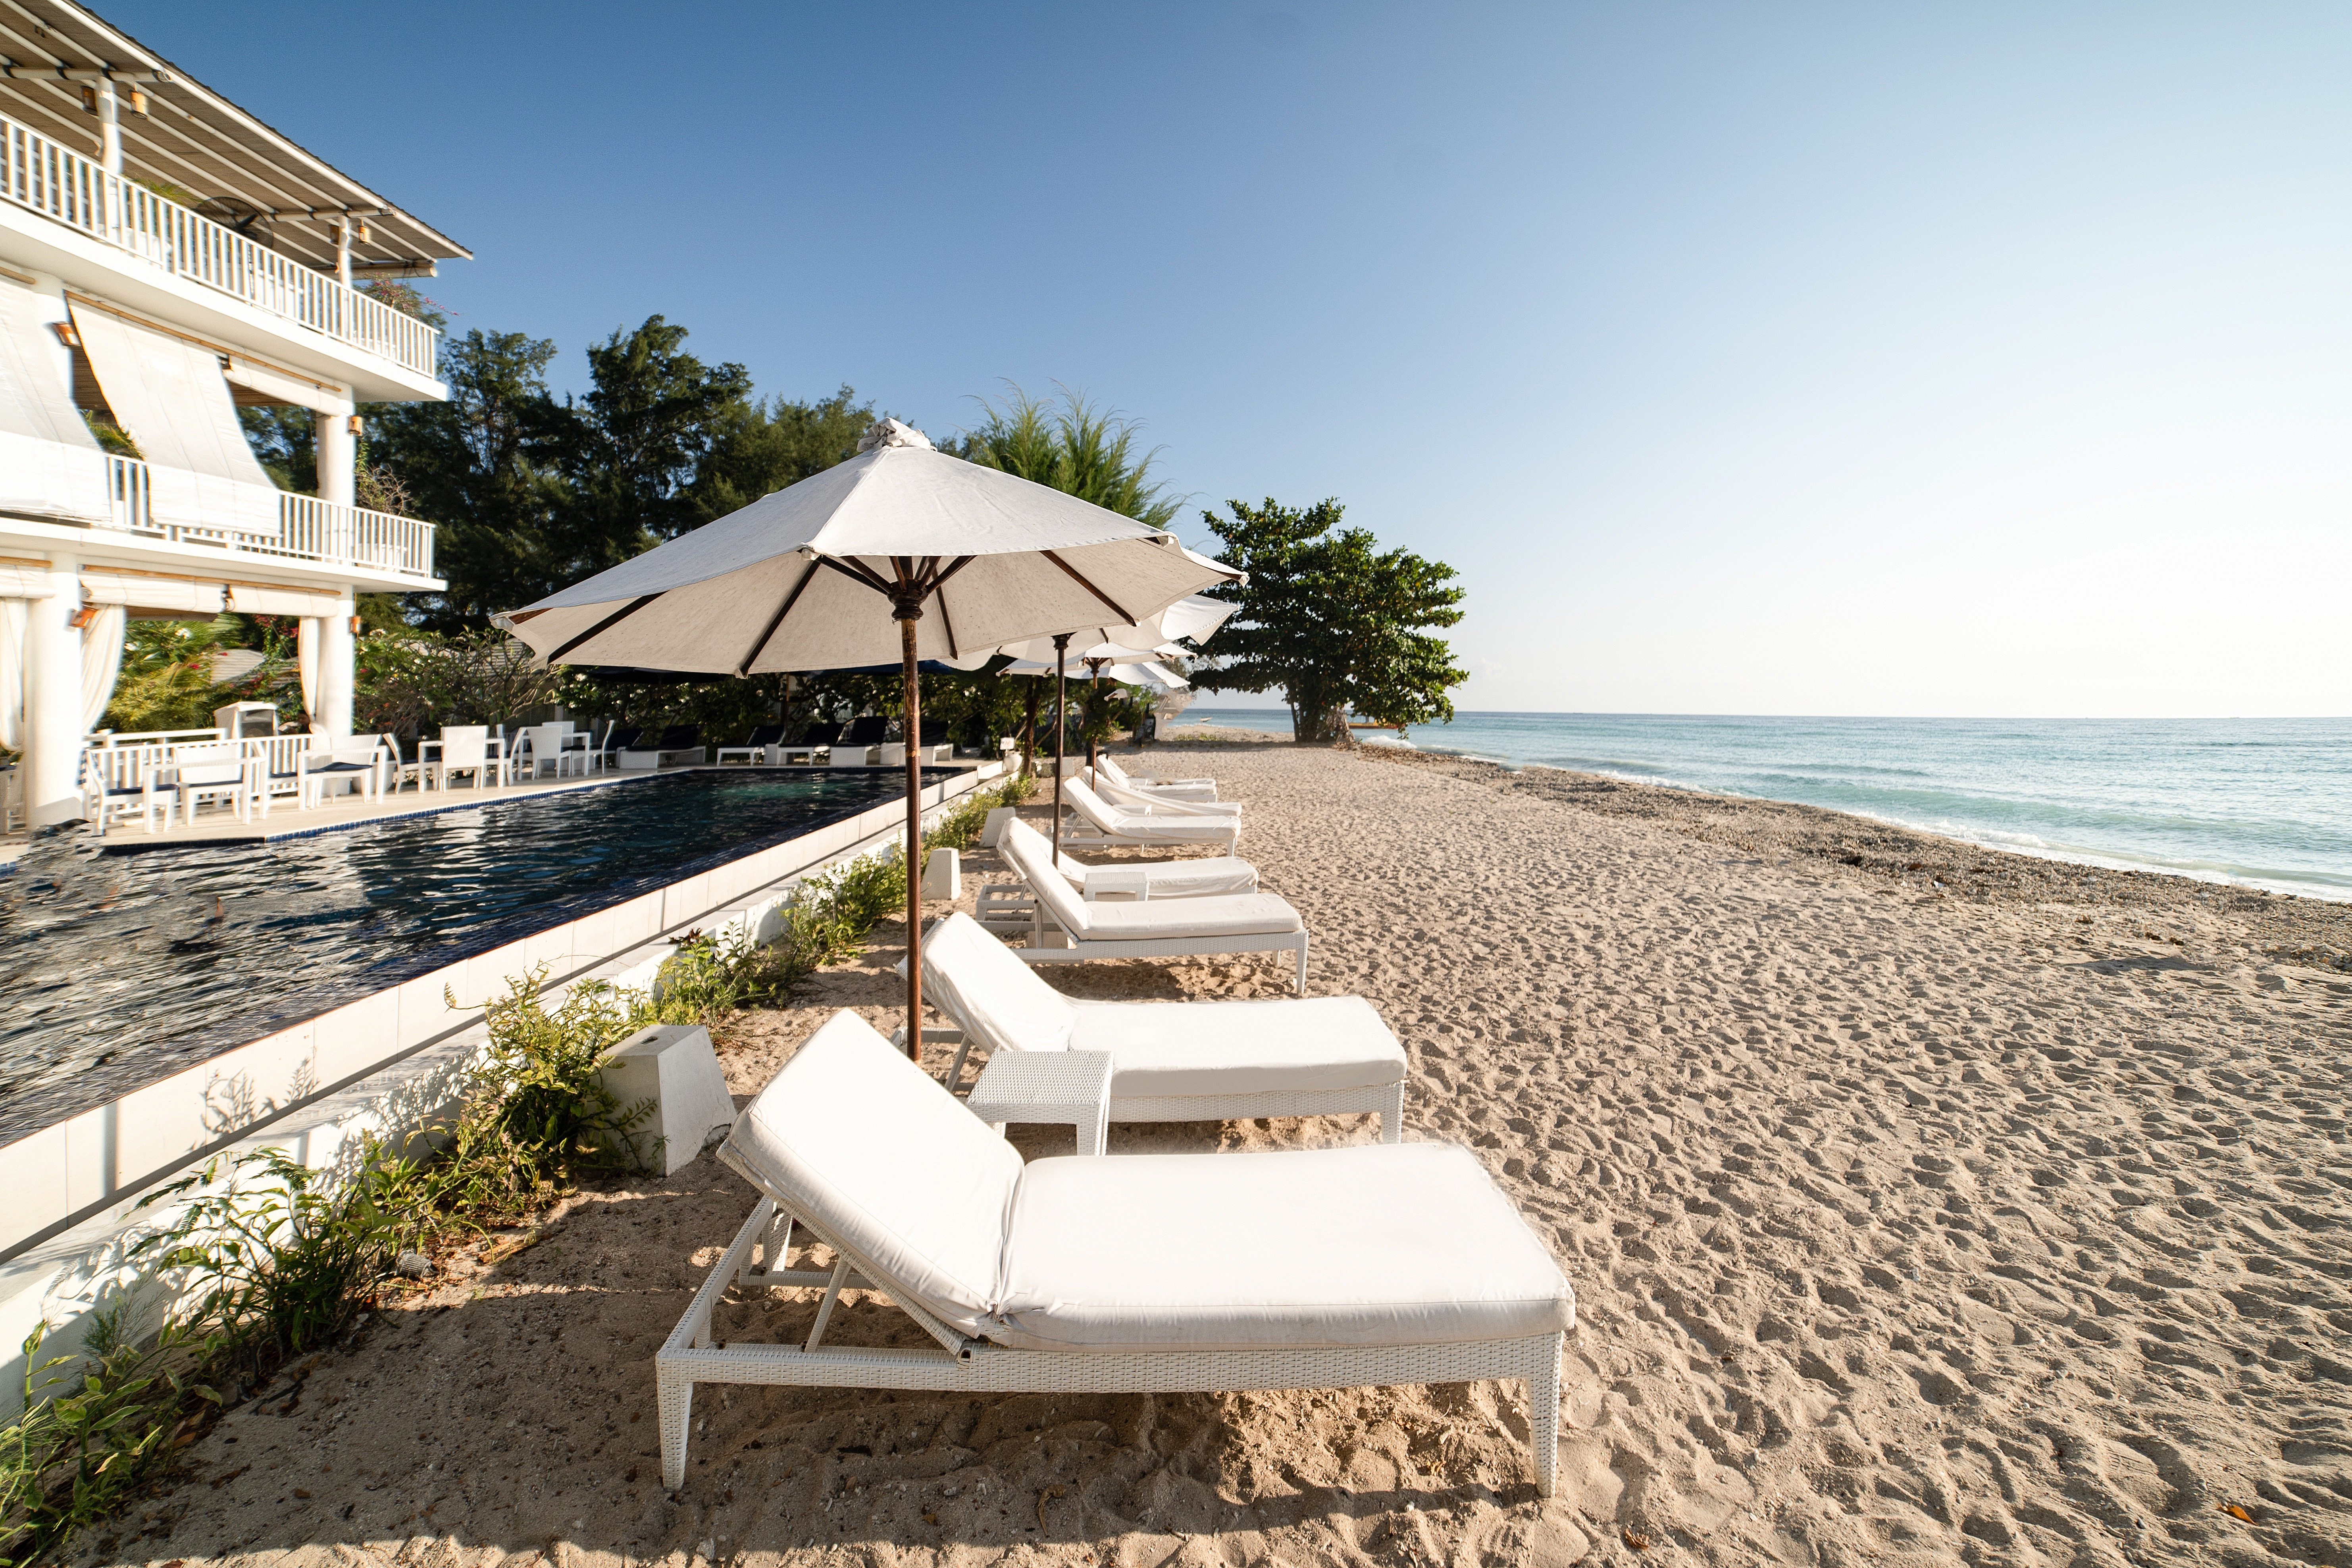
column 1001, row 1002
column 1032, row 856
column 869, row 1148
column 1107, row 817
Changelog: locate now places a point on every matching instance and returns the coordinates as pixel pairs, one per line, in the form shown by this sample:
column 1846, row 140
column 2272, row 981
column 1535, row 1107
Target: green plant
column 276, row 1257
column 92, row 1428
column 709, row 977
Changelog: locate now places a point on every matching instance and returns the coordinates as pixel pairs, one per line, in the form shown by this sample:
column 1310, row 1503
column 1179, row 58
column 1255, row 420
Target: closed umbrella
column 962, row 558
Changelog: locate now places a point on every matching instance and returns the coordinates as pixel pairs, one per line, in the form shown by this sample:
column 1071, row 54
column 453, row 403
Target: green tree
column 1073, row 447
column 1334, row 621
column 635, row 442
column 761, row 447
column 483, row 466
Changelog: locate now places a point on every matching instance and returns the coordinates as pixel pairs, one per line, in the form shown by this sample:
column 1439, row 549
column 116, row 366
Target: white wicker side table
column 1072, row 1086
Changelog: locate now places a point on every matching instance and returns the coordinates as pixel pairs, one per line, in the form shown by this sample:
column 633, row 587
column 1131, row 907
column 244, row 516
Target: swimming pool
column 117, row 969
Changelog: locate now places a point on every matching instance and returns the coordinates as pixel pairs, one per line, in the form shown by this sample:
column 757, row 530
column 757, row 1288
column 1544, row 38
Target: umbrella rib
column 858, row 572
column 607, row 623
column 782, row 611
column 1081, row 578
column 939, row 592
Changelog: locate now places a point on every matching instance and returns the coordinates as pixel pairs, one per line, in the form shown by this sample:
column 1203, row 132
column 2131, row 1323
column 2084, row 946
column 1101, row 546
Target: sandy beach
column 1922, row 1203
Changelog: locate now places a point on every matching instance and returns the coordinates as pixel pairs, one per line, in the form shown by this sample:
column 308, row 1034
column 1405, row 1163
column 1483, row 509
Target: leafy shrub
column 85, row 1438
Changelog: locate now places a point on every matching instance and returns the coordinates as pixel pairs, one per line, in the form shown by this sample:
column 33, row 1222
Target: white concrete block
column 674, row 1066
column 943, row 875
column 992, row 828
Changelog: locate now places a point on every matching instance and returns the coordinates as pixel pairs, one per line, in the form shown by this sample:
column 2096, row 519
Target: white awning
column 50, row 464
column 152, row 596
column 23, row 579
column 169, row 396
column 247, row 600
column 271, row 382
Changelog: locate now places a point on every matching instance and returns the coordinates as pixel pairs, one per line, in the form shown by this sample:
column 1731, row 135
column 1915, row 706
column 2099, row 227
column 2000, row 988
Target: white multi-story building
column 166, row 258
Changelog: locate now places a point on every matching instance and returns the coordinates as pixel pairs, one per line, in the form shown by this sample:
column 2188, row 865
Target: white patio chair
column 1151, row 927
column 1099, row 824
column 398, row 769
column 215, row 770
column 357, row 763
column 542, row 748
column 465, row 748
column 1146, row 1273
column 1171, row 1061
column 119, row 781
column 1197, row 791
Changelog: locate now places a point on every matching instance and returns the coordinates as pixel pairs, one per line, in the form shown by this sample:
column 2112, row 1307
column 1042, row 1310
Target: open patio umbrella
column 961, row 557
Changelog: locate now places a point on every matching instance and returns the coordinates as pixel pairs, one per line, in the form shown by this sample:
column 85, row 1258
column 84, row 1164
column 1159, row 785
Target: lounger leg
column 677, row 1408
column 1543, row 1416
column 1392, row 1116
column 1302, row 964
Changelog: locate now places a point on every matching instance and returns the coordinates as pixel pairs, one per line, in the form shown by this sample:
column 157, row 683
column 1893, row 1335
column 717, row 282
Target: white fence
column 134, row 756
column 308, row 529
column 40, row 174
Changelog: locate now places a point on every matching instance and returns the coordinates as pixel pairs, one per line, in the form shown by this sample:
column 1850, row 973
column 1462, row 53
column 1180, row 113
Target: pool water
column 119, row 969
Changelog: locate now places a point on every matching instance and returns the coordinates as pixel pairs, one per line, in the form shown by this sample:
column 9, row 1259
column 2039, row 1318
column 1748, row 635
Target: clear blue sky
column 1858, row 359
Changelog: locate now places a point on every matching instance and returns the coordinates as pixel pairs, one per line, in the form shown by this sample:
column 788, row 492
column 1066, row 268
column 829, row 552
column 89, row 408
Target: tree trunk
column 1318, row 725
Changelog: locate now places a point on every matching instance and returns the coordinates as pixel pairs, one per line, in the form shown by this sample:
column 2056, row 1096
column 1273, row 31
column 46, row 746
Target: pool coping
column 76, row 1170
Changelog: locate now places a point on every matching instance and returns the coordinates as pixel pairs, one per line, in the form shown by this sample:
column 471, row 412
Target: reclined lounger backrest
column 1001, row 1002
column 1033, row 855
column 868, row 1147
column 1105, row 816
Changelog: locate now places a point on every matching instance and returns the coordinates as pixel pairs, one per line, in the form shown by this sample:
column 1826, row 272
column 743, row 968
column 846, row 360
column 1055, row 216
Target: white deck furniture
column 396, row 772
column 1171, row 1061
column 1010, row 906
column 1126, row 798
column 1159, row 1273
column 1099, row 823
column 464, row 748
column 1069, row 1089
column 120, row 783
column 760, row 751
column 217, row 770
column 357, row 764
column 1155, row 927
column 1199, row 791
column 550, row 749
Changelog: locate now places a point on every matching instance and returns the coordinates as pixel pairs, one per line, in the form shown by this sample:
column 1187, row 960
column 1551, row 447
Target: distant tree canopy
column 1335, row 622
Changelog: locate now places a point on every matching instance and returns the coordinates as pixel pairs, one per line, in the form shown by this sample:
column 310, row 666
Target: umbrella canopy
column 900, row 553
column 1193, row 616
column 807, row 578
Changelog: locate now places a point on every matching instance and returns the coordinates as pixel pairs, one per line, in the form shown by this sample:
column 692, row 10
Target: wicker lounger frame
column 964, row 1365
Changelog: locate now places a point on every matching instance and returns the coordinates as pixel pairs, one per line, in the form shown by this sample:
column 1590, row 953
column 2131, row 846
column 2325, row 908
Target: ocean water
column 2262, row 802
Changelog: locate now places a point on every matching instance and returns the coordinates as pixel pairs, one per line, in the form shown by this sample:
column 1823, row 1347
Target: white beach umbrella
column 961, row 557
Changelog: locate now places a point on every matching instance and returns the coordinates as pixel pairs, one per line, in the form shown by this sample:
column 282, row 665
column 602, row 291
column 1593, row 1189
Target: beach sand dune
column 1905, row 1227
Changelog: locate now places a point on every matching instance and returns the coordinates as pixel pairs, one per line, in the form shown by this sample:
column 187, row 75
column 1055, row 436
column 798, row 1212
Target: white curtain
column 11, row 674
column 50, row 464
column 307, row 656
column 172, row 398
column 101, row 662
column 152, row 595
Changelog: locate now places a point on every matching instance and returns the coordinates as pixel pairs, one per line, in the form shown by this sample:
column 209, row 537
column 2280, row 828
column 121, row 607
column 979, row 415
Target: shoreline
column 2286, row 927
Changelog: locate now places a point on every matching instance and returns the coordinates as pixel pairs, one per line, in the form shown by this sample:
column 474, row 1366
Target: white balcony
column 309, row 531
column 38, row 173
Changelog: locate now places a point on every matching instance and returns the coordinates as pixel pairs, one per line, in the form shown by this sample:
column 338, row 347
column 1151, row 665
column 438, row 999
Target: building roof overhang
column 196, row 139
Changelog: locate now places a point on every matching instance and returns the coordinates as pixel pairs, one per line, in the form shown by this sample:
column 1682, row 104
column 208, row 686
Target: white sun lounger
column 1171, row 1061
column 1010, row 906
column 1145, row 1273
column 1101, row 822
column 1197, row 790
column 1126, row 798
column 1152, row 928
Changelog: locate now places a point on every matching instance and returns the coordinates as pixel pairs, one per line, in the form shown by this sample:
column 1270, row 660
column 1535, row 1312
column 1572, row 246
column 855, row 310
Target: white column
column 110, row 127
column 53, row 731
column 337, row 651
column 338, row 456
column 343, row 250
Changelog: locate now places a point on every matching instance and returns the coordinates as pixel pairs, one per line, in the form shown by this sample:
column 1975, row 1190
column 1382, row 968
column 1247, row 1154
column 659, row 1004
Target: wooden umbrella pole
column 914, row 728
column 1061, row 728
column 1029, row 735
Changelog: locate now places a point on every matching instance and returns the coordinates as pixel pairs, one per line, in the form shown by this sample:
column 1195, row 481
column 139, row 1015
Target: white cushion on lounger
column 1000, row 1001
column 1286, row 1044
column 869, row 1148
column 1111, row 819
column 1234, row 914
column 1176, row 878
column 1394, row 1244
column 1126, row 797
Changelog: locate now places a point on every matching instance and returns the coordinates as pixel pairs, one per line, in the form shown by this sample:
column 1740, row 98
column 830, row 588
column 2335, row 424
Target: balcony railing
column 308, row 529
column 38, row 173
